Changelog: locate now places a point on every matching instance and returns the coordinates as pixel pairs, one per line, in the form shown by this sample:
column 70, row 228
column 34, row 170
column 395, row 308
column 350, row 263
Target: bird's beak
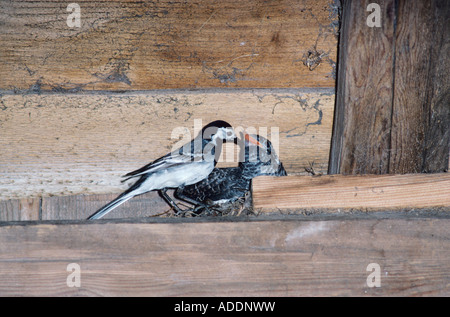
column 253, row 140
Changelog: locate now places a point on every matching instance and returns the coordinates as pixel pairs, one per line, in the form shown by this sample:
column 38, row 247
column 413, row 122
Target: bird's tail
column 129, row 193
column 110, row 206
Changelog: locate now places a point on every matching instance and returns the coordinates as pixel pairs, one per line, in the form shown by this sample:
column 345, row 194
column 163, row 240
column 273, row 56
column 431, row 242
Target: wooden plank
column 392, row 113
column 20, row 209
column 73, row 144
column 421, row 112
column 361, row 136
column 369, row 192
column 82, row 206
column 258, row 258
column 438, row 130
column 134, row 45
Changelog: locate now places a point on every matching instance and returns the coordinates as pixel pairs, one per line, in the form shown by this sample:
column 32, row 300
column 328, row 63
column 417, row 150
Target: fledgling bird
column 226, row 185
column 185, row 166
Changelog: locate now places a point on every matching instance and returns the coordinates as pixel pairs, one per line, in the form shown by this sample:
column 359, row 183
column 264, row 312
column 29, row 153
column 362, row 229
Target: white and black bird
column 226, row 185
column 187, row 165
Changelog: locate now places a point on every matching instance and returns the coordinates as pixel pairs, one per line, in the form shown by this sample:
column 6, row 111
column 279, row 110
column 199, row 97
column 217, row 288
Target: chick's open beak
column 253, row 140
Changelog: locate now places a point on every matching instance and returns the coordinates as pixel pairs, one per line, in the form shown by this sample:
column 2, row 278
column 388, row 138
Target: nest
column 240, row 207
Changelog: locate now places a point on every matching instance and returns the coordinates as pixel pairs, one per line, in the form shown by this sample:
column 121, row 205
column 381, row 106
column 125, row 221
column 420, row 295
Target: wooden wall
column 79, row 107
column 236, row 259
column 392, row 107
column 129, row 45
column 67, row 144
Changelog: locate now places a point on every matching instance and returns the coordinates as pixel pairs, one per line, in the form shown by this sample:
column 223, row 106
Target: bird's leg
column 197, row 205
column 163, row 193
column 191, row 201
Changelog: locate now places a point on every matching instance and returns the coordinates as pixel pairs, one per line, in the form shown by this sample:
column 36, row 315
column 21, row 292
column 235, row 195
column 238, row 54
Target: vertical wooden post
column 420, row 113
column 392, row 113
column 361, row 136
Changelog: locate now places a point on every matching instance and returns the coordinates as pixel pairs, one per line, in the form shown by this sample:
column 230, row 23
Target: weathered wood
column 392, row 98
column 71, row 144
column 368, row 192
column 361, row 136
column 133, row 45
column 437, row 134
column 20, row 209
column 421, row 112
column 82, row 206
column 268, row 258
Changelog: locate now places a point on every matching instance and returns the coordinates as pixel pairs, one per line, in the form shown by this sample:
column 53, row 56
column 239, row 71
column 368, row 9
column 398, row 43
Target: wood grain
column 133, row 45
column 262, row 258
column 362, row 123
column 392, row 113
column 421, row 113
column 20, row 209
column 82, row 206
column 71, row 144
column 368, row 192
column 437, row 134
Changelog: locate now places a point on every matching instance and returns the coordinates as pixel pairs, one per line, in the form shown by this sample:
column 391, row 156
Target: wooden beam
column 392, row 113
column 421, row 112
column 369, row 192
column 69, row 144
column 132, row 45
column 362, row 122
column 257, row 258
column 80, row 207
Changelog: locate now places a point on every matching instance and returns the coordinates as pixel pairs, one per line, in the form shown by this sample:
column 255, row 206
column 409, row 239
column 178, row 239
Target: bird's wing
column 169, row 160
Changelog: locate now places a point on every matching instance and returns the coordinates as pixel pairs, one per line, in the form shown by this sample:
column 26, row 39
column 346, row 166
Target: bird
column 186, row 165
column 227, row 185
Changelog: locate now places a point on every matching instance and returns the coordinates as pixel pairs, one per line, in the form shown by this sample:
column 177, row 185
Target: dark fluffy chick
column 225, row 186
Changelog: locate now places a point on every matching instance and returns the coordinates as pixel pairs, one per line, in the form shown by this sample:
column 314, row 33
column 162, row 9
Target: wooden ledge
column 260, row 258
column 369, row 192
